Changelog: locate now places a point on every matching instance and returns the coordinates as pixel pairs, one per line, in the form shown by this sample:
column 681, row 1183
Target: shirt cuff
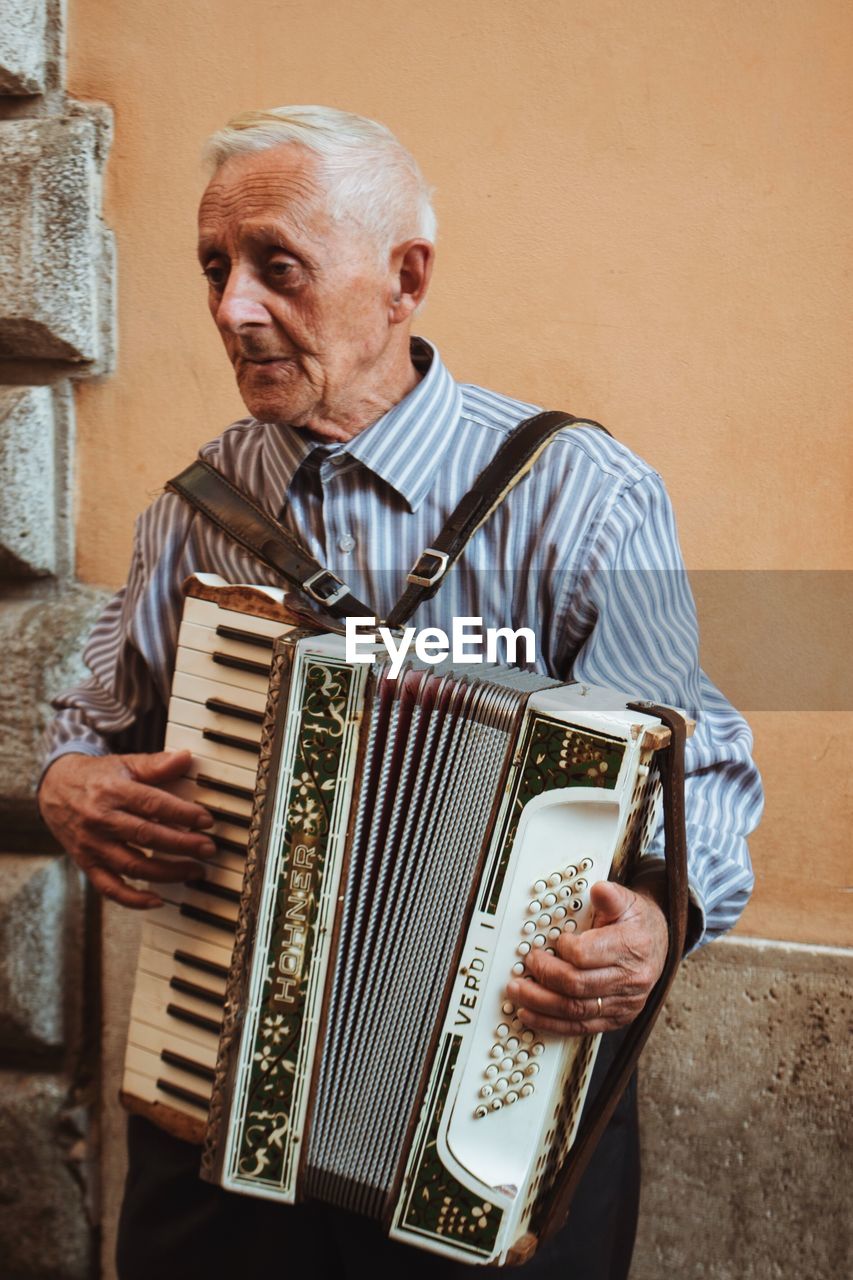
column 76, row 747
column 652, row 871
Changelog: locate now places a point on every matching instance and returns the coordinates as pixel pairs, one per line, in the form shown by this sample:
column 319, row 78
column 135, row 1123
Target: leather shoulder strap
column 510, row 464
column 210, row 492
column 206, row 489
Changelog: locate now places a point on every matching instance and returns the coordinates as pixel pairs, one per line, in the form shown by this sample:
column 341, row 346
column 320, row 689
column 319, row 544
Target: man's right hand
column 104, row 810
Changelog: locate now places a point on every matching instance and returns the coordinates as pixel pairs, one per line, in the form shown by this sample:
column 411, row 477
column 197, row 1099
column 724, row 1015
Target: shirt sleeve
column 633, row 604
column 118, row 707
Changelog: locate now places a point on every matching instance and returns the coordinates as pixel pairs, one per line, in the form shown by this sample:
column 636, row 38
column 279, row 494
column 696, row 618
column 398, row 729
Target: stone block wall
column 746, row 1113
column 56, row 325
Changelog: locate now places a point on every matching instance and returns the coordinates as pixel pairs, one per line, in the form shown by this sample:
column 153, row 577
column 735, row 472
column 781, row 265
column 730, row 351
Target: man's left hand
column 600, row 979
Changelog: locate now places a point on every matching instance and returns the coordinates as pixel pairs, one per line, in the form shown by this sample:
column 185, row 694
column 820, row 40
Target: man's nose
column 241, row 302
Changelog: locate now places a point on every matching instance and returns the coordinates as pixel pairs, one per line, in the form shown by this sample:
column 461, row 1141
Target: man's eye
column 282, row 269
column 215, row 276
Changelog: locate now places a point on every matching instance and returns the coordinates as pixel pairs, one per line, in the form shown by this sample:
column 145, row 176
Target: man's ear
column 411, row 266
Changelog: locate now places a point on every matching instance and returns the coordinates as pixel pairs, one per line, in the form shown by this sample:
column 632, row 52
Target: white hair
column 367, row 174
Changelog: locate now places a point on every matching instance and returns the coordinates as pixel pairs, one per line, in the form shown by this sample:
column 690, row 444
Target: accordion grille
column 437, row 749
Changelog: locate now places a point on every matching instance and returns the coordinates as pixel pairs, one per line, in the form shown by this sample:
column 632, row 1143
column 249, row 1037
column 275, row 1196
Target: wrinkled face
column 300, row 301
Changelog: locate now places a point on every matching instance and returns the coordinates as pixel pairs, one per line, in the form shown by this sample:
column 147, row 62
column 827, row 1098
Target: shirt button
column 346, row 542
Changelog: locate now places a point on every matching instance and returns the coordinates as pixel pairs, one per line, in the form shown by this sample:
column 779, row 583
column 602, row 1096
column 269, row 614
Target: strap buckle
column 321, row 587
column 429, row 579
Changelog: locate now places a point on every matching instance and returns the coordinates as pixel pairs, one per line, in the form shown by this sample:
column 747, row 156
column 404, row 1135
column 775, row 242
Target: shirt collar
column 404, row 447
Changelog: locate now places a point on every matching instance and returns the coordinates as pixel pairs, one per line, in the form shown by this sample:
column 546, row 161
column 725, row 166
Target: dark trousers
column 173, row 1226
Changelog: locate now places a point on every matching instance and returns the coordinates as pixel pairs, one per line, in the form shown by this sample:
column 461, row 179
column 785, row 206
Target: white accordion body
column 328, row 1007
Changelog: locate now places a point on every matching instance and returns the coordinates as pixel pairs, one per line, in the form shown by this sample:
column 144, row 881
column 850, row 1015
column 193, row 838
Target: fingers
column 134, row 830
column 149, row 802
column 115, row 889
column 101, row 810
column 587, row 1026
column 609, row 901
column 106, row 867
column 612, row 966
column 616, row 939
column 585, row 984
column 158, row 767
column 617, row 961
column 109, row 862
column 134, row 863
column 547, row 1010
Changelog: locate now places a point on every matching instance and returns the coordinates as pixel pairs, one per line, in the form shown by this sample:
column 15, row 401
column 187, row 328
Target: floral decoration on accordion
column 264, row 1150
column 439, row 1204
column 555, row 756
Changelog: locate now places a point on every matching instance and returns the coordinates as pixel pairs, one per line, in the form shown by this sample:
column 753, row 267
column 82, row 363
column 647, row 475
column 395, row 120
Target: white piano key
column 225, row 859
column 157, row 992
column 207, row 792
column 221, row 876
column 196, row 716
column 151, row 1067
column 159, row 937
column 171, row 918
column 144, row 1088
column 228, row 861
column 155, row 1035
column 231, row 840
column 222, row 860
column 197, row 689
column 183, row 895
column 205, row 640
column 207, row 614
column 199, row 664
column 236, row 834
column 164, row 965
column 146, row 1018
column 180, row 738
column 202, row 766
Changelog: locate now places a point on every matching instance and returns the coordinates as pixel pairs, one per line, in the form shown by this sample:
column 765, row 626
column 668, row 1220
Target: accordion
column 326, row 1008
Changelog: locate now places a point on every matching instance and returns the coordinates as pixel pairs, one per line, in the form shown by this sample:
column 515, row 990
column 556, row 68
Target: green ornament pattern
column 439, row 1205
column 554, row 755
column 266, row 1151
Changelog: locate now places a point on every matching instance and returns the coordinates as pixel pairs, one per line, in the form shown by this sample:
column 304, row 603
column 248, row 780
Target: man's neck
column 397, row 381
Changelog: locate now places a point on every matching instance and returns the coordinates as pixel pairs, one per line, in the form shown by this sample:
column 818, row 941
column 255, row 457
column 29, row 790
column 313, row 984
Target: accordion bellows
column 411, row 841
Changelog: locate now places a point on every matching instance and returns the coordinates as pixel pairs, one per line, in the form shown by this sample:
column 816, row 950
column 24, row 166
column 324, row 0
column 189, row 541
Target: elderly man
column 316, row 241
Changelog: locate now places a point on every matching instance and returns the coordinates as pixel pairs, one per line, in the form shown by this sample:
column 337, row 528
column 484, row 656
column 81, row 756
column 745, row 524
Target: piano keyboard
column 216, row 711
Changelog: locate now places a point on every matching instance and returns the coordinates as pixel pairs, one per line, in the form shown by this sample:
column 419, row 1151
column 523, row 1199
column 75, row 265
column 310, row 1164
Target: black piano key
column 207, row 917
column 199, row 993
column 220, row 891
column 223, row 815
column 227, row 788
column 186, row 1095
column 199, row 962
column 223, row 708
column 213, row 1025
column 186, row 1064
column 231, row 740
column 228, row 846
column 242, row 664
column 245, row 637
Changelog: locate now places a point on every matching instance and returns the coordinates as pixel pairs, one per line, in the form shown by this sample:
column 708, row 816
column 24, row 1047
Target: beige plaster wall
column 645, row 219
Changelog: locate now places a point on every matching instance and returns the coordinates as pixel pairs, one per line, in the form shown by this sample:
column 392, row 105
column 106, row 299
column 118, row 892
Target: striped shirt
column 584, row 551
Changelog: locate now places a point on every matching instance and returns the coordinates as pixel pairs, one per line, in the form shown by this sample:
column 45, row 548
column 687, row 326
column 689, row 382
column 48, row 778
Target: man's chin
column 264, row 395
column 271, row 409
